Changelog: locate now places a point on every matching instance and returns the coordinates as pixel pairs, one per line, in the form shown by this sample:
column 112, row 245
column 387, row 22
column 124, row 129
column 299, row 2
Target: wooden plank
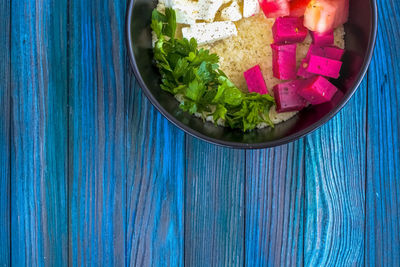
column 156, row 170
column 39, row 133
column 5, row 105
column 274, row 206
column 97, row 133
column 335, row 188
column 214, row 205
column 383, row 172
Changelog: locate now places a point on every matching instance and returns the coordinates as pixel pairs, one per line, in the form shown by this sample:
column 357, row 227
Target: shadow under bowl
column 360, row 38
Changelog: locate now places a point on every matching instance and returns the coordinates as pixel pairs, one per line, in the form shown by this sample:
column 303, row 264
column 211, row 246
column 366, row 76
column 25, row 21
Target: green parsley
column 193, row 75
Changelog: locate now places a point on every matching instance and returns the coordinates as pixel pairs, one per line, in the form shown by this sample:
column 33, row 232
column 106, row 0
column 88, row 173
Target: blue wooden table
column 91, row 174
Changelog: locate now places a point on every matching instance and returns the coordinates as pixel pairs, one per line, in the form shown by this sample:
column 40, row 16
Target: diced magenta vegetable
column 324, row 66
column 289, row 30
column 302, row 71
column 255, row 80
column 286, row 96
column 331, row 52
column 284, row 61
column 318, row 90
column 322, row 39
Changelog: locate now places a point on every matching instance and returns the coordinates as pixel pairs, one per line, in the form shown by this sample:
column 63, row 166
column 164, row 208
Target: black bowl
column 360, row 41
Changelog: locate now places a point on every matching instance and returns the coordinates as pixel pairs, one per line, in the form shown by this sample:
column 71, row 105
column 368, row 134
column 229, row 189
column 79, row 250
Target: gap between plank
column 185, row 140
column 10, row 131
column 244, row 207
column 366, row 170
column 304, row 210
column 68, row 133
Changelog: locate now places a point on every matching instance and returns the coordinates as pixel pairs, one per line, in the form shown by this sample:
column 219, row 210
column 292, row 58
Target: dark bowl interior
column 360, row 40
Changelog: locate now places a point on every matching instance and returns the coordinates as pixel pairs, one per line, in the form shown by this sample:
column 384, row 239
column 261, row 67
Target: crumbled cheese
column 250, row 8
column 206, row 33
column 186, row 10
column 231, row 13
column 208, row 9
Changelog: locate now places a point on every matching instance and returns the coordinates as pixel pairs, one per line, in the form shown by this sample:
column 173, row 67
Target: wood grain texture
column 39, row 133
column 214, row 205
column 383, row 172
column 274, row 206
column 155, row 191
column 335, row 188
column 97, row 133
column 5, row 105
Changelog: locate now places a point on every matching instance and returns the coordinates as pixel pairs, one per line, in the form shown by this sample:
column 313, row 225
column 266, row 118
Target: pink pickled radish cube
column 324, row 66
column 323, row 39
column 284, row 61
column 286, row 96
column 302, row 71
column 255, row 80
column 289, row 30
column 318, row 90
column 330, row 52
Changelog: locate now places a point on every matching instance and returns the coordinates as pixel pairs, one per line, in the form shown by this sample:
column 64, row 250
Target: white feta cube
column 232, row 12
column 186, row 11
column 207, row 33
column 250, row 8
column 208, row 9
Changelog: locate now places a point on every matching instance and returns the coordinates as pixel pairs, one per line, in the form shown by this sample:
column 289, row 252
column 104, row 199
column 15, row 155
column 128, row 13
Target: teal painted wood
column 335, row 188
column 39, row 133
column 274, row 206
column 129, row 202
column 5, row 105
column 97, row 140
column 214, row 205
column 155, row 184
column 383, row 172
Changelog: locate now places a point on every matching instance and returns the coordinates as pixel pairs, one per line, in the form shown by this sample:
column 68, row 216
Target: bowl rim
column 269, row 144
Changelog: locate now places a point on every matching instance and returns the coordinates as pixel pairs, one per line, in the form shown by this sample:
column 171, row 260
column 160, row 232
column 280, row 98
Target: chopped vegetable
column 286, row 96
column 194, row 76
column 255, row 80
column 318, row 90
column 324, row 66
column 325, row 15
column 289, row 30
column 284, row 61
column 302, row 71
column 298, row 7
column 275, row 8
column 323, row 39
column 343, row 16
column 330, row 52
